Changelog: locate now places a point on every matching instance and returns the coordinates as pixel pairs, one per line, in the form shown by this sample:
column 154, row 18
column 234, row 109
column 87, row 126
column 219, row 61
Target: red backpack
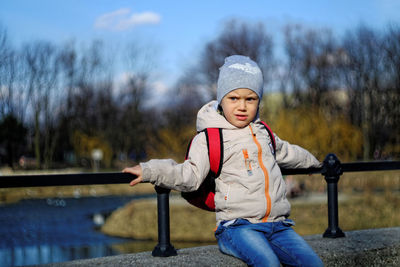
column 203, row 197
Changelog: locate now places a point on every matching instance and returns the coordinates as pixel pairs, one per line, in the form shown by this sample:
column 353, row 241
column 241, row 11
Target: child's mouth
column 241, row 117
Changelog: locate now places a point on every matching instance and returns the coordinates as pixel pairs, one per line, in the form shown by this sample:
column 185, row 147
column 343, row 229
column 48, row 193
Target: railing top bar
column 300, row 171
column 350, row 167
column 370, row 166
column 65, row 179
column 123, row 178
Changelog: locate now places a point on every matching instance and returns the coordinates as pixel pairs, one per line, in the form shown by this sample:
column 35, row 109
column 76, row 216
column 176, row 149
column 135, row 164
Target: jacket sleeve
column 294, row 156
column 184, row 177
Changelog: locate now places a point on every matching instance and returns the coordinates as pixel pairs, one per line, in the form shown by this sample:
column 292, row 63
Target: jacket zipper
column 260, row 161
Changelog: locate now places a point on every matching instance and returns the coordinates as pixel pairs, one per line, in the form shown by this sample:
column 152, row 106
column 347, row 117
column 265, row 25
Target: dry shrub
column 138, row 220
column 318, row 133
column 363, row 211
column 369, row 181
column 170, row 142
column 371, row 210
column 310, row 127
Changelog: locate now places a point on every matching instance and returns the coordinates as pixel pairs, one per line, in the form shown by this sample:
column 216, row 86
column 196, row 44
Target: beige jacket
column 250, row 185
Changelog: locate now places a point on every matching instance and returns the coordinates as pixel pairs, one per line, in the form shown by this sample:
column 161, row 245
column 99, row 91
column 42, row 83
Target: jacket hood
column 208, row 117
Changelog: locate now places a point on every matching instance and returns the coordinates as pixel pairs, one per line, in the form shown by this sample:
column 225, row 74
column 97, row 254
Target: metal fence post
column 164, row 247
column 332, row 170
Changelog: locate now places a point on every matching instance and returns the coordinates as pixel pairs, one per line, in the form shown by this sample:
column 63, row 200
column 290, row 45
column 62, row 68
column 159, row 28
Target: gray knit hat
column 239, row 72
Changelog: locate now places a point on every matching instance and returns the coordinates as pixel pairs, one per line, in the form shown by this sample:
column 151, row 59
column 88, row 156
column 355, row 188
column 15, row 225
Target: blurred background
column 120, row 82
column 100, row 85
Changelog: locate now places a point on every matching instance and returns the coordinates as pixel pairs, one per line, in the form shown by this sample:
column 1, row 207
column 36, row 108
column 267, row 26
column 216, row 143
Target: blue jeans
column 265, row 244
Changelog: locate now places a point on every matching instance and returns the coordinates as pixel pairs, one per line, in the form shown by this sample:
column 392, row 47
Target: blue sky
column 179, row 29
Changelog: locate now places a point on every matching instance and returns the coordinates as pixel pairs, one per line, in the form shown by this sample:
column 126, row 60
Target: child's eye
column 233, row 98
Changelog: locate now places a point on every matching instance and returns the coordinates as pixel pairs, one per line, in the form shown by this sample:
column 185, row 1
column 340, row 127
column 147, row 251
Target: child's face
column 240, row 106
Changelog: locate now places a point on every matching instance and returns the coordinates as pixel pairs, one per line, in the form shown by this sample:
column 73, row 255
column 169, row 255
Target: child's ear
column 260, row 106
column 220, row 110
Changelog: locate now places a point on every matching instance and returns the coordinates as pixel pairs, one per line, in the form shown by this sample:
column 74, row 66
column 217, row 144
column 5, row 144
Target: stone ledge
column 374, row 247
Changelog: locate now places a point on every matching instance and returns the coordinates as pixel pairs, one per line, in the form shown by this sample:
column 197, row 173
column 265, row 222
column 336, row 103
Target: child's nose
column 242, row 105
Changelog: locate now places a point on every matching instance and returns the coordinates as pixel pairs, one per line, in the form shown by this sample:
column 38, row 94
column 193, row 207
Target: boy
column 250, row 203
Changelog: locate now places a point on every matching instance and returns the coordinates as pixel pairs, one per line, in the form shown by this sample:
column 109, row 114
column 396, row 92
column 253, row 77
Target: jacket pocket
column 222, row 197
column 226, row 195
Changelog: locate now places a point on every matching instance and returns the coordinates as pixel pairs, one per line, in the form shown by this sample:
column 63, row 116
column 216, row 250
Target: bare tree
column 139, row 62
column 41, row 71
column 391, row 80
column 312, row 59
column 85, row 74
column 7, row 75
column 365, row 79
column 68, row 62
column 130, row 138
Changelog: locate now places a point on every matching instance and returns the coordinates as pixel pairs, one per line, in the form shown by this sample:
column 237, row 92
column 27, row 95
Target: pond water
column 43, row 231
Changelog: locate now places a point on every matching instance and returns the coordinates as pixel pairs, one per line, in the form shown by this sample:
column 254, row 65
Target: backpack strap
column 271, row 135
column 215, row 150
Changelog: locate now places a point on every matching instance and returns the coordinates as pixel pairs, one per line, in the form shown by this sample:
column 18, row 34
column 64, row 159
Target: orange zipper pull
column 247, row 162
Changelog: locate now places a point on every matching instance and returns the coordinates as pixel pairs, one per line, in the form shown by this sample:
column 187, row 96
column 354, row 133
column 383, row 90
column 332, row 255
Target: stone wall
column 374, row 247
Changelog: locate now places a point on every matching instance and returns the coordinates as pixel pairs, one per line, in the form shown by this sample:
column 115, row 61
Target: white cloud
column 160, row 88
column 123, row 19
column 158, row 94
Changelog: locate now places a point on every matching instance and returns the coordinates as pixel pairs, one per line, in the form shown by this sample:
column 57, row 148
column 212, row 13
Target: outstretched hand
column 135, row 170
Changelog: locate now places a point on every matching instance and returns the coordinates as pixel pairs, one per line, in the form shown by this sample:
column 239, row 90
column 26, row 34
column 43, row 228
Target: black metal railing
column 332, row 169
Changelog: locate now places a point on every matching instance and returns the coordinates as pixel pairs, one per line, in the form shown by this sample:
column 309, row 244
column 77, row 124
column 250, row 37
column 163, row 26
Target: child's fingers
column 135, row 170
column 135, row 181
column 129, row 170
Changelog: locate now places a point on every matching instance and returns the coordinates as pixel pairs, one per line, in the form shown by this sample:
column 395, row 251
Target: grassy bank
column 367, row 200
